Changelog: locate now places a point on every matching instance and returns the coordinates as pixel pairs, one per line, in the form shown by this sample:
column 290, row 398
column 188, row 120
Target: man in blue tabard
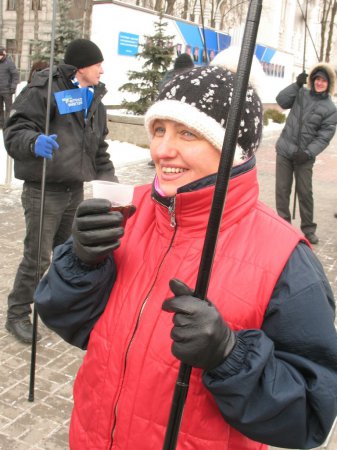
column 76, row 152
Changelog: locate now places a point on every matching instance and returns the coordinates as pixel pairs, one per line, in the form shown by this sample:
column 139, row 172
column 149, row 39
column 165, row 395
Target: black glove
column 201, row 336
column 96, row 230
column 302, row 79
column 301, row 157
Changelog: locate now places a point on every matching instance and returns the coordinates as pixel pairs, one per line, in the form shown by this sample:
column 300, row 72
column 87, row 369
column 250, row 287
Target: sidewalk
column 43, row 424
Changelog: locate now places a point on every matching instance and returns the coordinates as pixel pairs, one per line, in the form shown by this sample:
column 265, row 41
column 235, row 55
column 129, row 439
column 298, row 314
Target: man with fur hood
column 310, row 126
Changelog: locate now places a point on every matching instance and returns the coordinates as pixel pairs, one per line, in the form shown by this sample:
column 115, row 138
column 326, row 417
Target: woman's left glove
column 201, row 338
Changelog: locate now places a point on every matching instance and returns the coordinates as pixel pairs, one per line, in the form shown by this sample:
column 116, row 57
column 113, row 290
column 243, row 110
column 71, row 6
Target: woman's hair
column 36, row 67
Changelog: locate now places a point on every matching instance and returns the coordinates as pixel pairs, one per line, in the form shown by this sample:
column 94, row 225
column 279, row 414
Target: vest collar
column 191, row 206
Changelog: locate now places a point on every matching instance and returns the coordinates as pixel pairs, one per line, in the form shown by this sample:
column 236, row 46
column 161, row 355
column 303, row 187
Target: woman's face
column 180, row 155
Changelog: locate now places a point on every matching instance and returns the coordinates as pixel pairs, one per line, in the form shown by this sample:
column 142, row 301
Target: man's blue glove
column 45, row 146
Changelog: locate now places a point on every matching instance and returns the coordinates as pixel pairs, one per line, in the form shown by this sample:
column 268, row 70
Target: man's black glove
column 201, row 336
column 301, row 79
column 301, row 157
column 96, row 230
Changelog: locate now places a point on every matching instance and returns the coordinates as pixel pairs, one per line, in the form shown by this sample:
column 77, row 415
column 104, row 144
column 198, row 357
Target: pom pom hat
column 82, row 53
column 200, row 99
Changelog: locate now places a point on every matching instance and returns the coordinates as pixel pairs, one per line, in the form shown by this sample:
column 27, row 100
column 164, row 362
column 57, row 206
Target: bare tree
column 329, row 10
column 35, row 5
column 232, row 12
column 331, row 31
column 158, row 5
column 170, row 4
column 19, row 8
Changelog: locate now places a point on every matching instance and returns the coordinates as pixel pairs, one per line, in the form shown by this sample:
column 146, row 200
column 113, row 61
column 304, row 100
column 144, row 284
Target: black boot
column 22, row 329
column 312, row 238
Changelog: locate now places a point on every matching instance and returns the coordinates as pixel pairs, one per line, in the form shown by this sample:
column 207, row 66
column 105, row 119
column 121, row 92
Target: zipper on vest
column 134, row 333
column 172, row 212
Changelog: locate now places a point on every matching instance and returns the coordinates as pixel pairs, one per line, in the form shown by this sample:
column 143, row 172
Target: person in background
column 263, row 346
column 37, row 67
column 310, row 126
column 182, row 63
column 75, row 150
column 9, row 78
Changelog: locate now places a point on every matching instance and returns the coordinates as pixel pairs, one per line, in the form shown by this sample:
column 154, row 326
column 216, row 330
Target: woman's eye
column 158, row 131
column 188, row 134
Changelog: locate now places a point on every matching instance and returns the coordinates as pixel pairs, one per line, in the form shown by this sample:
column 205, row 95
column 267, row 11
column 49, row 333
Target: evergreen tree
column 157, row 53
column 66, row 30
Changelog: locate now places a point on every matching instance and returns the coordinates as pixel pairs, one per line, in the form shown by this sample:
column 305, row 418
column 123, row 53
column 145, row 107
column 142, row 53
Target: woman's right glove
column 96, row 230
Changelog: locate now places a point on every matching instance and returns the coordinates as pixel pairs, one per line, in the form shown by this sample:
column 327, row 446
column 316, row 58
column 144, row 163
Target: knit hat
column 82, row 53
column 2, row 50
column 229, row 58
column 183, row 61
column 200, row 99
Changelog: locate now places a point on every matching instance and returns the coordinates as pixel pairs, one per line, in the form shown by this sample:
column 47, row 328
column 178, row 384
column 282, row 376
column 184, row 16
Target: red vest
column 124, row 387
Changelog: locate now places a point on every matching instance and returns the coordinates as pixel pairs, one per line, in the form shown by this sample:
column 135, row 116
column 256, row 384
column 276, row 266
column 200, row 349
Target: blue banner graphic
column 72, row 100
column 128, row 44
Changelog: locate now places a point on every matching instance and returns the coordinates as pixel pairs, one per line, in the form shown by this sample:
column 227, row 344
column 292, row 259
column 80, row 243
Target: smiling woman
column 260, row 376
column 181, row 155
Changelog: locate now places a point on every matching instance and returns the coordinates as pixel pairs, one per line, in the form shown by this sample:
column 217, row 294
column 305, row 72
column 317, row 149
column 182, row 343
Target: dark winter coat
column 279, row 384
column 9, row 76
column 82, row 154
column 171, row 74
column 311, row 123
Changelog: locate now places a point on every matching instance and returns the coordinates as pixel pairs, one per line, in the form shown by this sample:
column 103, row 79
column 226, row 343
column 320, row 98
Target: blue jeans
column 59, row 210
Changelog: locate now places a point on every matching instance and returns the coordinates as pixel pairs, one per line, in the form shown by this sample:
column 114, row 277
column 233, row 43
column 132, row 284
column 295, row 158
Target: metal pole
column 203, row 33
column 219, row 197
column 43, row 185
column 301, row 103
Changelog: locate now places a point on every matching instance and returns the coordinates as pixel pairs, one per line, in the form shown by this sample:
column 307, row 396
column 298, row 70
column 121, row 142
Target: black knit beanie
column 200, row 99
column 82, row 53
column 183, row 61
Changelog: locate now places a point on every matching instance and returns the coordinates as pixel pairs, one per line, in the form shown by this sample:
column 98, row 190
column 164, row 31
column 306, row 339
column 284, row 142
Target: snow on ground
column 123, row 153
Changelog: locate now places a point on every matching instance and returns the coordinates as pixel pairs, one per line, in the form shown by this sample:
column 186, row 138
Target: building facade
column 282, row 27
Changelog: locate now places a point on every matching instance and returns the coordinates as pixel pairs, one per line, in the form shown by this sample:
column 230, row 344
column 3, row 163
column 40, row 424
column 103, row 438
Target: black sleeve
column 287, row 96
column 105, row 169
column 71, row 297
column 27, row 120
column 279, row 384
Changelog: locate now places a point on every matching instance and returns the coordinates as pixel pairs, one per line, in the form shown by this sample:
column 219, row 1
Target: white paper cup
column 120, row 195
